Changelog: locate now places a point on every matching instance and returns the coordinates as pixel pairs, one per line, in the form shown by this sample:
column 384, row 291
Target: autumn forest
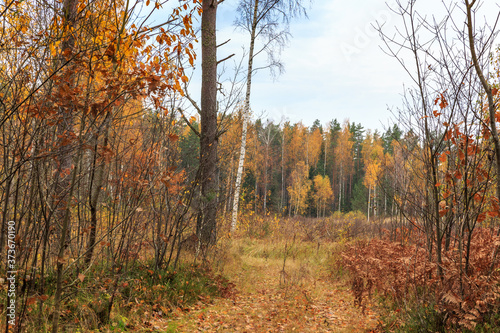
column 132, row 202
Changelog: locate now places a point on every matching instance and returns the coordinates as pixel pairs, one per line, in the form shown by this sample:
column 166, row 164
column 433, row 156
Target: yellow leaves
column 343, row 151
column 323, row 191
column 300, row 187
column 54, row 48
column 147, row 2
column 178, row 88
column 81, row 7
column 373, row 154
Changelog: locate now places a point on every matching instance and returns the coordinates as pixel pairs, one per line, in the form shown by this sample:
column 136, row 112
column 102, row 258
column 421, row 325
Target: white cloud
column 334, row 65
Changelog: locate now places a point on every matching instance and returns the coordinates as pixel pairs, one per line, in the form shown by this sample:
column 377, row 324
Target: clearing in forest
column 279, row 287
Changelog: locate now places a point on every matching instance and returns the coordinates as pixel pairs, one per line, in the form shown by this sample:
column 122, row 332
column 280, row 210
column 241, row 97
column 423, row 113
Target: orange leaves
column 494, row 204
column 442, row 102
column 186, row 20
column 497, row 116
column 443, row 212
column 190, row 55
column 493, row 213
column 464, row 168
column 173, row 137
column 494, row 209
column 33, row 299
column 448, row 134
column 110, row 51
column 178, row 88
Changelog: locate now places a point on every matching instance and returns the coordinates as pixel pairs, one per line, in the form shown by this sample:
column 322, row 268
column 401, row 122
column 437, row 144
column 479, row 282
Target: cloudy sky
column 334, row 65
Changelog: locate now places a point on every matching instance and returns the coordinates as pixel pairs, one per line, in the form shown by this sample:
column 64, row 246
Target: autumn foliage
column 401, row 271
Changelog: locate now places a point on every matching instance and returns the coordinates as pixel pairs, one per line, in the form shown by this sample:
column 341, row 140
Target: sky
column 334, row 65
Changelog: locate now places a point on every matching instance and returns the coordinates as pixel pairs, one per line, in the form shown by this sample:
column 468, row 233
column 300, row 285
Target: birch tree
column 373, row 154
column 268, row 21
column 343, row 156
column 322, row 194
column 299, row 188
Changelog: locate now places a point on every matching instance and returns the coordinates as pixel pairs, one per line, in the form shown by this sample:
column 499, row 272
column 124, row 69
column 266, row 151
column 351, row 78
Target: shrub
column 406, row 274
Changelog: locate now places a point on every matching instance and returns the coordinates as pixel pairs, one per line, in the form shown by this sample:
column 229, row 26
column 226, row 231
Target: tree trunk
column 265, row 181
column 491, row 110
column 246, row 116
column 340, row 188
column 369, row 195
column 207, row 227
column 65, row 176
column 326, row 145
column 283, row 171
column 96, row 185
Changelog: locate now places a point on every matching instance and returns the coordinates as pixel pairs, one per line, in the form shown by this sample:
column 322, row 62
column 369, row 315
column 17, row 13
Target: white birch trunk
column 246, row 116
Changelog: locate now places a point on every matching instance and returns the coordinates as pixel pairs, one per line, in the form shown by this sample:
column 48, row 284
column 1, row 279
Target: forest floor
column 279, row 287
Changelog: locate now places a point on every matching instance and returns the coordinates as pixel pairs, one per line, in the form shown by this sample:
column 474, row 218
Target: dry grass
column 283, row 283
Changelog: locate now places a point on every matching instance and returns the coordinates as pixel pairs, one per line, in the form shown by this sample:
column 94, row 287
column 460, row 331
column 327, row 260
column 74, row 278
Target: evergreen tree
column 392, row 134
column 359, row 197
column 357, row 132
column 189, row 146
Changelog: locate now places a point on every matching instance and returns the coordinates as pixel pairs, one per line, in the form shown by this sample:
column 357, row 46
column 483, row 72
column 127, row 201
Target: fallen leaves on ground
column 315, row 304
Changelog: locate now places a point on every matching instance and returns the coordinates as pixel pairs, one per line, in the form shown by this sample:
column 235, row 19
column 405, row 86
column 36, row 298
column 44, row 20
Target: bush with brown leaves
column 406, row 272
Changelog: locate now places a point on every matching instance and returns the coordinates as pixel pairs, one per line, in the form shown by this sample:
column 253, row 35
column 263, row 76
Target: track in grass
column 302, row 299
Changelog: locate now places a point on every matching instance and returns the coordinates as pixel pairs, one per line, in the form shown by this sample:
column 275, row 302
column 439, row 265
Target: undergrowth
column 101, row 301
column 403, row 278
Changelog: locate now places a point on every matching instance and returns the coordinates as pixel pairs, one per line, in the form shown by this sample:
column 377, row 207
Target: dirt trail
column 307, row 301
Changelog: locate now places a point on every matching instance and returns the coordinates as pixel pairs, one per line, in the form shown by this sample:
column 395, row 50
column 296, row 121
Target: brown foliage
column 404, row 271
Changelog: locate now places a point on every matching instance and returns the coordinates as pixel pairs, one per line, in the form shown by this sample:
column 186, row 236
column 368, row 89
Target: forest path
column 303, row 299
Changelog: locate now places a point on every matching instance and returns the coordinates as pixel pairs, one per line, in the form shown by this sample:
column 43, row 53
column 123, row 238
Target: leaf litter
column 261, row 302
